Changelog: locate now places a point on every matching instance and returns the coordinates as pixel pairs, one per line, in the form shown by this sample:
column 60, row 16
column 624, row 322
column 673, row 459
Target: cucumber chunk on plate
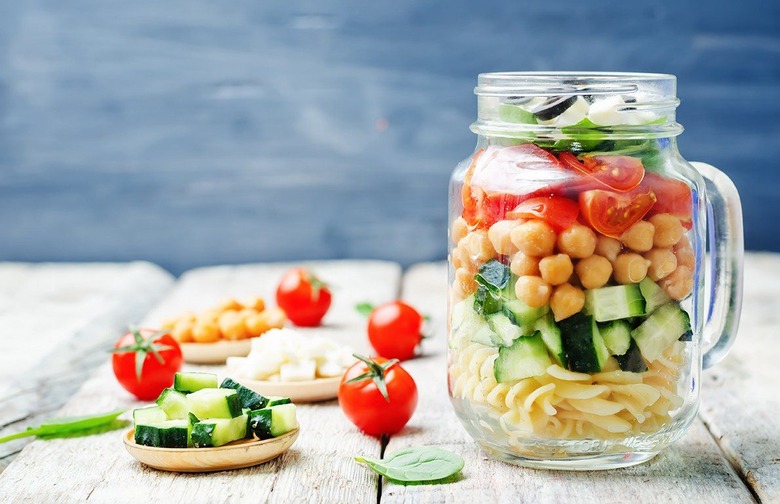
column 219, row 431
column 526, row 357
column 192, row 381
column 614, row 303
column 149, row 415
column 274, row 421
column 654, row 295
column 583, row 344
column 616, row 335
column 551, row 336
column 248, row 397
column 663, row 327
column 277, row 400
column 166, row 434
column 173, row 403
column 214, row 403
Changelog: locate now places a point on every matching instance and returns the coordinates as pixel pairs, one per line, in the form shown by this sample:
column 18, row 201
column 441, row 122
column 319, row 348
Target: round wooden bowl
column 235, row 455
column 215, row 353
column 321, row 389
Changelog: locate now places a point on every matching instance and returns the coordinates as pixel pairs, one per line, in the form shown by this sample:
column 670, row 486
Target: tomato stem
column 376, row 372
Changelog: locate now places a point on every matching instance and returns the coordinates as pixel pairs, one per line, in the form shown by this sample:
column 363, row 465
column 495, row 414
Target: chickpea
column 566, row 300
column 578, row 241
column 608, row 247
column 668, row 230
column 256, row 324
column 639, row 236
column 229, row 304
column 594, row 271
column 232, row 325
column 679, row 283
column 534, row 238
column 459, row 258
column 465, row 279
column 630, row 268
column 684, row 253
column 662, row 262
column 556, row 269
column 478, row 247
column 533, row 290
column 499, row 235
column 182, row 329
column 205, row 331
column 524, row 265
column 275, row 317
column 459, row 229
column 257, row 304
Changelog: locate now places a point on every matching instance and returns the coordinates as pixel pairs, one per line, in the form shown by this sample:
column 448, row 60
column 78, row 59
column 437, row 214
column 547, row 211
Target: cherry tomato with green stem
column 145, row 362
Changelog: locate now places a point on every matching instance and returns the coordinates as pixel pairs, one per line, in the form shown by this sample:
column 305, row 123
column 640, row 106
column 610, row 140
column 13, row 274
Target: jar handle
column 727, row 249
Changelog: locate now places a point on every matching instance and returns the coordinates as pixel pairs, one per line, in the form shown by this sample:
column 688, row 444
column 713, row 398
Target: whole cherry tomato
column 145, row 362
column 378, row 395
column 395, row 330
column 303, row 297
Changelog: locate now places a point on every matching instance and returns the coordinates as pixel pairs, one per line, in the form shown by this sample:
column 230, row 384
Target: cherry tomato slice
column 610, row 213
column 674, row 197
column 620, row 173
column 557, row 211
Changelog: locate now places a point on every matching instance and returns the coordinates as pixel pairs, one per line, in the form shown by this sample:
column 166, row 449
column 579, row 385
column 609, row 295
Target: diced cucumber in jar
column 274, row 421
column 192, row 381
column 616, row 335
column 219, row 431
column 458, row 311
column 504, row 330
column 551, row 336
column 632, row 360
column 525, row 358
column 214, row 403
column 582, row 342
column 165, row 434
column 654, row 295
column 246, row 396
column 660, row 329
column 173, row 403
column 615, row 303
column 475, row 329
column 523, row 315
column 149, row 415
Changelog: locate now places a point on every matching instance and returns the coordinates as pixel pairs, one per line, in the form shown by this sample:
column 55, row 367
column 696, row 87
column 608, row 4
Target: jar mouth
column 611, row 104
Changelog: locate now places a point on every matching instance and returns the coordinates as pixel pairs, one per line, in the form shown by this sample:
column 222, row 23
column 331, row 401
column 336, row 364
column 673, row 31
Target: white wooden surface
column 731, row 455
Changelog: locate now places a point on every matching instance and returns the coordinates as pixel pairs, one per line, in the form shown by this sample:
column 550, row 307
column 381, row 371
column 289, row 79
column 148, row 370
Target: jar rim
column 569, row 83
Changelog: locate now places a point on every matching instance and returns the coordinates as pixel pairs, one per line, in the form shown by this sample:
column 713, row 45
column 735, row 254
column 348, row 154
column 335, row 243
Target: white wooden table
column 731, row 454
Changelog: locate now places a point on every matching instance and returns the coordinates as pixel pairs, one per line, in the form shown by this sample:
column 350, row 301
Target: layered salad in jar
column 571, row 267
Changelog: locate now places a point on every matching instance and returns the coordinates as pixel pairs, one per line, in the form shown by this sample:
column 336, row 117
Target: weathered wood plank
column 740, row 400
column 57, row 322
column 319, row 467
column 692, row 470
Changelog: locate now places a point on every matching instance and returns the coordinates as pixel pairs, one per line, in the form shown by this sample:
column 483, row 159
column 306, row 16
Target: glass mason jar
column 579, row 317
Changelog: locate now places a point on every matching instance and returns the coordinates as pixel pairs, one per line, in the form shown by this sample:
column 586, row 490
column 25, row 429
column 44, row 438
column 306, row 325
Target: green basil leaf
column 515, row 114
column 67, row 425
column 493, row 275
column 417, row 464
column 364, row 309
column 486, row 302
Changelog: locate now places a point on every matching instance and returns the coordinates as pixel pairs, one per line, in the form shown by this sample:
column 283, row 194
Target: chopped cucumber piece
column 277, row 400
column 551, row 336
column 663, row 327
column 173, row 403
column 515, row 114
column 166, row 434
column 458, row 312
column 616, row 335
column 614, row 303
column 582, row 342
column 654, row 295
column 632, row 360
column 503, row 328
column 523, row 315
column 274, row 421
column 474, row 328
column 219, row 431
column 486, row 302
column 248, row 397
column 526, row 357
column 214, row 403
column 192, row 382
column 149, row 415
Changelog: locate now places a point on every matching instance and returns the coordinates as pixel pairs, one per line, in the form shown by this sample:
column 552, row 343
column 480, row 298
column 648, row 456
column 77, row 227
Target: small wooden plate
column 235, row 455
column 320, row 389
column 215, row 353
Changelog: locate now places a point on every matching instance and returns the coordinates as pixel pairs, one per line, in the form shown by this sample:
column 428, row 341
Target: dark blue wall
column 198, row 132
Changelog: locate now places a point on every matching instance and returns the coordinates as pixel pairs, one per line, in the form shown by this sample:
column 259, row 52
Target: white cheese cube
column 303, row 370
column 604, row 112
column 574, row 114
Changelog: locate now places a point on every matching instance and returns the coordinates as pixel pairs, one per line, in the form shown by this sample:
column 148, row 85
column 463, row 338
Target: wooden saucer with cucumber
column 200, row 426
